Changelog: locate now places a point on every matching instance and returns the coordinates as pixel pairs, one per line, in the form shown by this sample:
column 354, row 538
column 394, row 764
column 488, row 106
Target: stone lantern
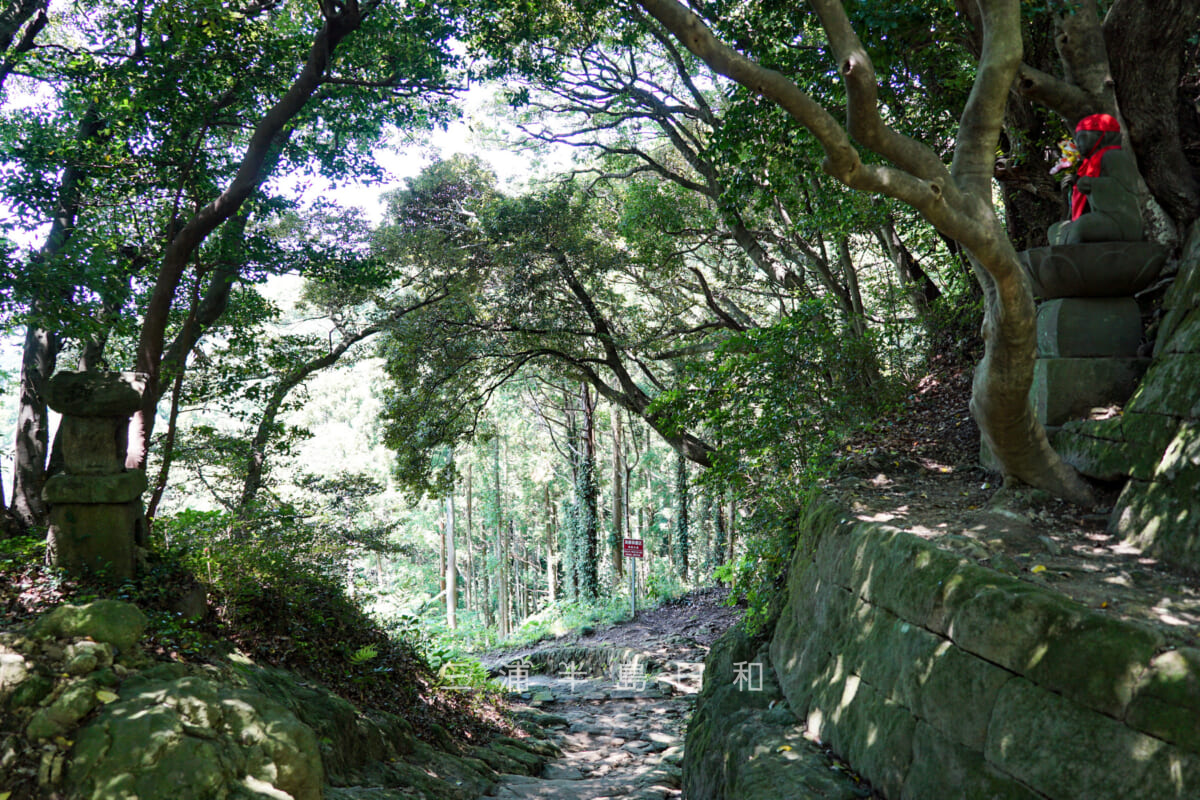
column 96, row 513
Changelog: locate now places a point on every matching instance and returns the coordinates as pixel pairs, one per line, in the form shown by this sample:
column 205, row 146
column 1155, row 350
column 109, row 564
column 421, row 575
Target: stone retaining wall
column 937, row 678
column 1155, row 442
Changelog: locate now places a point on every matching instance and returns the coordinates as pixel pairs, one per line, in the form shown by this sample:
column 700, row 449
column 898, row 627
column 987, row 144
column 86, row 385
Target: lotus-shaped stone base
column 1097, row 269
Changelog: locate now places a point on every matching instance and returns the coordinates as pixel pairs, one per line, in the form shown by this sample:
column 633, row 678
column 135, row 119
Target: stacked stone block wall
column 1154, row 444
column 938, row 678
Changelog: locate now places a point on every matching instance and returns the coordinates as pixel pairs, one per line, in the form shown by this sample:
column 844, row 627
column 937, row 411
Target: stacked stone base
column 1087, row 356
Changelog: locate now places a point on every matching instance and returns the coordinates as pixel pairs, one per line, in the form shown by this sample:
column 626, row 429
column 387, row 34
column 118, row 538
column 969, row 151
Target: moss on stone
column 1096, row 661
column 876, row 737
column 1064, row 750
column 1008, row 622
column 1169, row 386
column 957, row 694
column 943, row 768
column 1166, row 702
column 113, row 621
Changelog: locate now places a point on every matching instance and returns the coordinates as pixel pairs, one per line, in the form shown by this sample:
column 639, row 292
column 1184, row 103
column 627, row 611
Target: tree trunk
column 451, row 568
column 588, row 496
column 682, row 522
column 1146, row 42
column 471, row 599
column 955, row 200
column 501, row 546
column 28, row 511
column 551, row 547
column 919, row 288
column 618, row 496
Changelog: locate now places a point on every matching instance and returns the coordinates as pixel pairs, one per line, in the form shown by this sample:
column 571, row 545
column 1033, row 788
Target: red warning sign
column 632, row 548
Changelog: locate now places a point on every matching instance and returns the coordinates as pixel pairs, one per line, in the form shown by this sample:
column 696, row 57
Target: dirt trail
column 616, row 701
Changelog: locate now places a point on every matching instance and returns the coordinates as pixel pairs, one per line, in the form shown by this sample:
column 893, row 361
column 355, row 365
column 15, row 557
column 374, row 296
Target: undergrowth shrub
column 275, row 584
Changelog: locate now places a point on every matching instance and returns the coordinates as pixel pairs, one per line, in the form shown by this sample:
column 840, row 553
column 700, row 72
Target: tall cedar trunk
column 706, row 529
column 469, row 537
column 682, row 522
column 451, row 566
column 441, row 570
column 551, row 546
column 28, row 511
column 618, row 496
column 501, row 546
column 571, row 508
column 589, row 499
column 1146, row 43
column 718, row 532
column 731, row 528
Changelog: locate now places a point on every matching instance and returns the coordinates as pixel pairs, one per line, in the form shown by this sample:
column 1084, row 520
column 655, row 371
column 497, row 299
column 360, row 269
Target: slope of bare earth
column 921, row 474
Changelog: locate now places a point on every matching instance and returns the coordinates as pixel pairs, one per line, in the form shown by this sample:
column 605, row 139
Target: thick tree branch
column 269, row 133
column 982, row 117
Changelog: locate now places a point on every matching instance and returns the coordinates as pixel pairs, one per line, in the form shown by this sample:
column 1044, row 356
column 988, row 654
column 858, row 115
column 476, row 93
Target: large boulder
column 112, row 621
column 193, row 738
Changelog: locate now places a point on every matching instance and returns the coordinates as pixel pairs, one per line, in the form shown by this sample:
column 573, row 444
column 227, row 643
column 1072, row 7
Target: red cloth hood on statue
column 1089, row 166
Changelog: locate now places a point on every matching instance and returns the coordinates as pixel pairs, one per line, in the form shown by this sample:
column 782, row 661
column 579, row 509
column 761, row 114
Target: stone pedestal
column 1089, row 327
column 1087, row 356
column 1098, row 269
column 1068, row 388
column 96, row 513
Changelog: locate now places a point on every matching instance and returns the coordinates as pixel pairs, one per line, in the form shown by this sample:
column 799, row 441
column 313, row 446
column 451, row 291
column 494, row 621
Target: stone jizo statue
column 1104, row 206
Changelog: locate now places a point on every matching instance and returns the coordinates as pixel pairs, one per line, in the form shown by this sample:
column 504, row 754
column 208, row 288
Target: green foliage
column 663, row 583
column 466, row 673
column 368, row 652
column 779, row 399
column 19, row 552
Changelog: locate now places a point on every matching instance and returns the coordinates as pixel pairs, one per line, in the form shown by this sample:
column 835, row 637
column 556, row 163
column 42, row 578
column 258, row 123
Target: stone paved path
column 619, row 739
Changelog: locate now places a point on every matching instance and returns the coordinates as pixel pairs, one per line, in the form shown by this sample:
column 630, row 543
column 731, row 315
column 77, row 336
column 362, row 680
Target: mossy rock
column 113, row 621
column 942, row 768
column 1169, row 386
column 349, row 738
column 905, row 575
column 505, row 757
column 1148, row 436
column 1061, row 749
column 1096, row 661
column 956, row 694
column 1166, row 702
column 1083, row 445
column 1159, row 517
column 193, row 738
column 1183, row 295
column 1004, row 620
column 61, row 716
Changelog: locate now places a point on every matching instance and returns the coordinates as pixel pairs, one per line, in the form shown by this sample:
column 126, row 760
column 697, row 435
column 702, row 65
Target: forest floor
column 921, row 474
